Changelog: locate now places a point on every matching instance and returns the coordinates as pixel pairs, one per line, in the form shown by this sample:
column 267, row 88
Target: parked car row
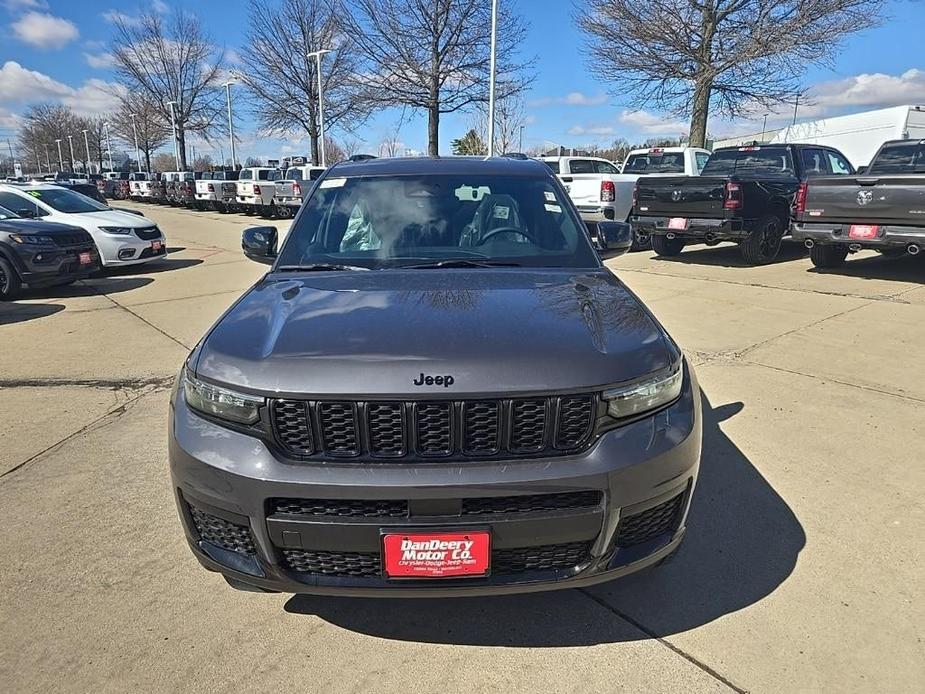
column 262, row 190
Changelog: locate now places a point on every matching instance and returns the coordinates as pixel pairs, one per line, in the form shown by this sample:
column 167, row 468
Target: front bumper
column 698, row 229
column 127, row 249
column 631, row 491
column 888, row 236
column 43, row 266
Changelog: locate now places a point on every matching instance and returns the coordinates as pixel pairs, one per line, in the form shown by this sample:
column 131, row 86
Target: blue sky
column 54, row 50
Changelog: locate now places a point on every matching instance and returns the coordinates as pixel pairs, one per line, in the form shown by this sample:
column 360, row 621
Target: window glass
column 553, row 166
column 702, row 158
column 581, row 166
column 813, row 163
column 837, row 163
column 245, row 175
column 899, row 158
column 18, row 203
column 67, row 201
column 772, row 162
column 604, row 167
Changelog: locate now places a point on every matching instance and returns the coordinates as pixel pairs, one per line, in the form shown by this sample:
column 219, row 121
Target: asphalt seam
column 107, row 383
column 693, row 660
column 142, row 319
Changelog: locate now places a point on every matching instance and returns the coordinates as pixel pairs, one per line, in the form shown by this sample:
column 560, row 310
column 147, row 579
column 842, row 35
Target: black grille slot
column 528, row 425
column 338, row 428
column 482, row 421
column 148, row 233
column 652, row 522
column 574, row 423
column 72, row 238
column 434, row 433
column 541, row 558
column 222, row 533
column 530, row 503
column 293, row 426
column 386, row 423
column 354, row 508
column 333, row 563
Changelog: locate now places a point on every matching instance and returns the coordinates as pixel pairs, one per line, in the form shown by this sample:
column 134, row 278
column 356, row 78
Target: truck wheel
column 828, row 255
column 664, row 246
column 10, row 283
column 641, row 242
column 762, row 244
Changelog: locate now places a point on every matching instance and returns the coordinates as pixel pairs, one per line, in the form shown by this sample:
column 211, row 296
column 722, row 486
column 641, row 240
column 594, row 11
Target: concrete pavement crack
column 696, row 662
column 108, row 383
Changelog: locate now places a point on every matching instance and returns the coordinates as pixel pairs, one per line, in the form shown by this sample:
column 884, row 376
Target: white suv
column 122, row 238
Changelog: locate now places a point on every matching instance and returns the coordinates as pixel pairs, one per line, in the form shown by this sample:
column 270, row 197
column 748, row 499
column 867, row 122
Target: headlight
column 645, row 395
column 221, row 402
column 117, row 230
column 36, row 239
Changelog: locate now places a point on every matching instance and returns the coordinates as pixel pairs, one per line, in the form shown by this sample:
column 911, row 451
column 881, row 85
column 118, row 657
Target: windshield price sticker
column 332, row 183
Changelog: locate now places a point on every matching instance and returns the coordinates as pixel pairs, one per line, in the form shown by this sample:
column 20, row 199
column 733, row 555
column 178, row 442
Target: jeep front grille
column 517, row 427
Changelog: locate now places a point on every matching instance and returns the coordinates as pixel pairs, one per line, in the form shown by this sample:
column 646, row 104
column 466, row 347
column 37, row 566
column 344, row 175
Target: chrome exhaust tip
column 809, row 243
column 854, row 248
column 912, row 249
column 669, row 236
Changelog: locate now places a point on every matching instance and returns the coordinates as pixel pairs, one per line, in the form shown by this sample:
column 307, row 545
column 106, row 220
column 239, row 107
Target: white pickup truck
column 139, row 185
column 601, row 192
column 255, row 189
column 290, row 190
column 209, row 189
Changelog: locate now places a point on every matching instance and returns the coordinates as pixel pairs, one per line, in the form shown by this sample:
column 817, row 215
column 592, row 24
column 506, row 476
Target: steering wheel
column 503, row 230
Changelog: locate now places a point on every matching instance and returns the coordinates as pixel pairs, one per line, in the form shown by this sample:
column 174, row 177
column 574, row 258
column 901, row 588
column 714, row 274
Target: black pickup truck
column 883, row 209
column 744, row 194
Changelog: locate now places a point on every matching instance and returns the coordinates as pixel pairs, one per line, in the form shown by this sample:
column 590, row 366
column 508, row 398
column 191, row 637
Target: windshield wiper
column 458, row 262
column 319, row 267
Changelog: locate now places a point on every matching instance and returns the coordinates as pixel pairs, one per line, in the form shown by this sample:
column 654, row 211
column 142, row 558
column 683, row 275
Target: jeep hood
column 374, row 333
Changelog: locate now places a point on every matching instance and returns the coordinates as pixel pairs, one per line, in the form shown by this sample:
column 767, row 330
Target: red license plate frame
column 156, row 245
column 84, row 258
column 863, row 231
column 678, row 223
column 436, row 554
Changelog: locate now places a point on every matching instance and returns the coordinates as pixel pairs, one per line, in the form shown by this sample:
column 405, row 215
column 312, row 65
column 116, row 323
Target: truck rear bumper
column 598, row 213
column 698, row 229
column 888, row 236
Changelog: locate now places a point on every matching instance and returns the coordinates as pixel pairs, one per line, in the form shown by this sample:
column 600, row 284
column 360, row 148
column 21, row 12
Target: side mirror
column 259, row 244
column 861, row 170
column 612, row 238
column 26, row 213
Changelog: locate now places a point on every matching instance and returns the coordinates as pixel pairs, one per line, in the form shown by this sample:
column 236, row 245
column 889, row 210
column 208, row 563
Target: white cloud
column 871, row 89
column 43, row 30
column 570, row 99
column 9, row 120
column 21, row 84
column 116, row 17
column 16, row 5
column 100, row 60
column 159, row 6
column 652, row 124
column 94, row 97
column 599, row 130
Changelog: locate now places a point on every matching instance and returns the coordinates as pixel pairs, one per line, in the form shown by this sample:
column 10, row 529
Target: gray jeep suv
column 437, row 389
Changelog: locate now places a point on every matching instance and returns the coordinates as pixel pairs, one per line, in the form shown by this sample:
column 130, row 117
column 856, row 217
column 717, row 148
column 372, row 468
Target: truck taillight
column 296, row 189
column 635, row 195
column 800, row 203
column 211, row 188
column 608, row 191
column 256, row 190
column 733, row 196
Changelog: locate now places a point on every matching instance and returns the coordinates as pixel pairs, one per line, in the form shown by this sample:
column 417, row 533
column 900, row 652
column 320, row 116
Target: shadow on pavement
column 907, row 268
column 155, row 266
column 90, row 287
column 742, row 543
column 729, row 255
column 11, row 312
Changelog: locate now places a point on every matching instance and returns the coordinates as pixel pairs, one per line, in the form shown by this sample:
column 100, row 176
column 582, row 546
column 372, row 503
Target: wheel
column 641, row 242
column 892, row 252
column 828, row 255
column 664, row 246
column 10, row 284
column 761, row 245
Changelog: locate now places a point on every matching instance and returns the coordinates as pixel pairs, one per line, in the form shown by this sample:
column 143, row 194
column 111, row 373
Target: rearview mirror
column 612, row 238
column 259, row 244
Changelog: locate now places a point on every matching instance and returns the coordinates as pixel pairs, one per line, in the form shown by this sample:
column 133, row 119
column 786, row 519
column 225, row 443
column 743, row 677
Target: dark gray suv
column 437, row 389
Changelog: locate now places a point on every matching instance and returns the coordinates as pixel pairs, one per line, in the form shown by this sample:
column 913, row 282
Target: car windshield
column 67, row 201
column 750, row 161
column 7, row 214
column 902, row 158
column 392, row 221
column 655, row 162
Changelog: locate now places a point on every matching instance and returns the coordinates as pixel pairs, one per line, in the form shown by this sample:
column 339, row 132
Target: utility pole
column 317, row 55
column 109, row 143
column 491, row 80
column 520, row 147
column 764, row 127
column 87, row 145
column 70, row 144
column 60, row 158
column 234, row 163
column 47, row 158
column 135, row 134
column 796, row 105
column 35, row 148
column 173, row 129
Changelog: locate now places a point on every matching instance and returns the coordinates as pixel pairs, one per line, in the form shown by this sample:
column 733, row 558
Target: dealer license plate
column 677, row 223
column 156, row 245
column 84, row 258
column 436, row 555
column 862, row 231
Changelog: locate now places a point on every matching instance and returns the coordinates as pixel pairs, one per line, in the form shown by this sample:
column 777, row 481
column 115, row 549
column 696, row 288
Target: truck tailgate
column 583, row 189
column 284, row 189
column 888, row 199
column 680, row 196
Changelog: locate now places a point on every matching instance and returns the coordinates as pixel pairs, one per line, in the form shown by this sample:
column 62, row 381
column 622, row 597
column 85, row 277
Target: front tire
column 762, row 244
column 10, row 284
column 828, row 255
column 666, row 247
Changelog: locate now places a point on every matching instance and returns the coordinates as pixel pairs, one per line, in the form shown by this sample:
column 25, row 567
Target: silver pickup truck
column 289, row 192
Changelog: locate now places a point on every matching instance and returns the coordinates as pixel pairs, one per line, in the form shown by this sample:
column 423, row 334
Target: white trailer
column 859, row 135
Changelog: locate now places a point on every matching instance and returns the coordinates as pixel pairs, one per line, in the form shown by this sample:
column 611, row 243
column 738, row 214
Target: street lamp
column 70, row 144
column 60, row 158
column 47, row 158
column 173, row 129
column 109, row 143
column 87, row 145
column 491, row 80
column 317, row 55
column 520, row 147
column 135, row 134
column 234, row 164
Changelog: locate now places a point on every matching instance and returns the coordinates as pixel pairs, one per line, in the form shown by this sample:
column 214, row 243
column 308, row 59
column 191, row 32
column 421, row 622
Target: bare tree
column 163, row 161
column 723, row 57
column 434, row 54
column 282, row 79
column 171, row 59
column 388, row 146
column 152, row 130
column 509, row 117
column 350, row 145
column 43, row 124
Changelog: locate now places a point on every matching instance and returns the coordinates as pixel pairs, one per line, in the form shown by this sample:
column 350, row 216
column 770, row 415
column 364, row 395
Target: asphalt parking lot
column 802, row 568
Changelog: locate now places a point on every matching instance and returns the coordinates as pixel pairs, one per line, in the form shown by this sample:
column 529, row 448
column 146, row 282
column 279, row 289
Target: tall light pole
column 173, row 129
column 70, row 144
column 491, row 80
column 60, row 158
column 317, row 55
column 87, row 145
column 47, row 158
column 520, row 147
column 135, row 134
column 109, row 143
column 35, row 147
column 234, row 164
